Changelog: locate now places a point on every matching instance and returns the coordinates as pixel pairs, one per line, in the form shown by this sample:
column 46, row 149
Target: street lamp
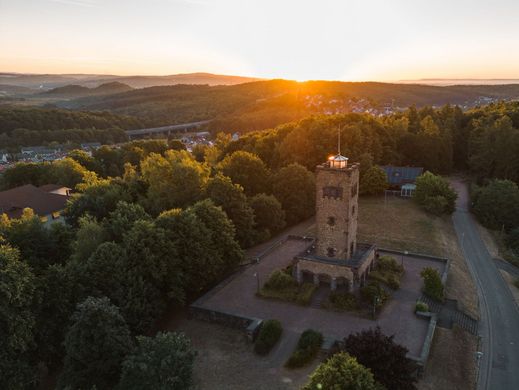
column 402, row 257
column 375, row 303
column 256, row 275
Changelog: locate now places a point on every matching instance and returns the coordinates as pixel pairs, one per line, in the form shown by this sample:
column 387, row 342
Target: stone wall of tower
column 337, row 211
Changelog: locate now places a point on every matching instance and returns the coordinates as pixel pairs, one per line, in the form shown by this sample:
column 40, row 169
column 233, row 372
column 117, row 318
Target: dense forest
column 37, row 126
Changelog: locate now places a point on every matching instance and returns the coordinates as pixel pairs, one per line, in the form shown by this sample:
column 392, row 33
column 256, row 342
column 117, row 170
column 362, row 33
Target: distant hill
column 264, row 104
column 50, row 81
column 76, row 91
column 10, row 90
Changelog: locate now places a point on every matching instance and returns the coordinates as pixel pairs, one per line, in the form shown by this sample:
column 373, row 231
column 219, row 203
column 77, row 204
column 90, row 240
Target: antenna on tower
column 339, row 140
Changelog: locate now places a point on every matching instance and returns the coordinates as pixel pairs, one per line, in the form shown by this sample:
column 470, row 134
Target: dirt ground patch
column 443, row 370
column 226, row 360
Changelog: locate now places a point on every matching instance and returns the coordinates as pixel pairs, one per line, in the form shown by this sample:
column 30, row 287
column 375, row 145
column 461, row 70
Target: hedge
column 268, row 336
column 307, row 349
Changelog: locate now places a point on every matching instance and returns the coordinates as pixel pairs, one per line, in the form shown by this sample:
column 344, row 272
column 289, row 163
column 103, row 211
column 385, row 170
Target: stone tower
column 337, row 208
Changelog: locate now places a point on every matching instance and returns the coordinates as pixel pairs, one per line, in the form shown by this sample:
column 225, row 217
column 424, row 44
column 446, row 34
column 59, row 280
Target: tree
column 222, row 232
column 88, row 237
column 385, row 358
column 96, row 344
column 17, row 321
column 497, row 204
column 512, row 240
column 268, row 214
column 162, row 362
column 342, row 372
column 433, row 285
column 247, row 170
column 70, row 173
column 123, row 217
column 374, row 181
column 433, row 191
column 110, row 160
column 85, row 159
column 97, row 200
column 198, row 258
column 232, row 200
column 175, row 180
column 294, row 187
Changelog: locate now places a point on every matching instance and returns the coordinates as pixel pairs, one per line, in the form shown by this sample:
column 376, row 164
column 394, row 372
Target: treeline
column 41, row 119
column 23, row 137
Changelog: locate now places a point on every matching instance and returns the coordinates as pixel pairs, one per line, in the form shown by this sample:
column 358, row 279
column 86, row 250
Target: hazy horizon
column 338, row 40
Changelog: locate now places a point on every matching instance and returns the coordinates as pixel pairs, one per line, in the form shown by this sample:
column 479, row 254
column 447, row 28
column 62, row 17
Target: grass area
column 283, row 287
column 399, row 224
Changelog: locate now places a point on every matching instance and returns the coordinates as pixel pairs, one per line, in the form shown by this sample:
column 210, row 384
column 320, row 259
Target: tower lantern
column 338, row 162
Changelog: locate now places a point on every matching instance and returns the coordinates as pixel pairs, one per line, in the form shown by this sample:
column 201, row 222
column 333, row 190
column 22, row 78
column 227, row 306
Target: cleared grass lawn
column 399, row 224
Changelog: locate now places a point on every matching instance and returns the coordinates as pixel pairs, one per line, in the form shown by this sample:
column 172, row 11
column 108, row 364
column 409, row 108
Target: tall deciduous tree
column 374, row 181
column 175, row 180
column 233, row 201
column 17, row 320
column 247, row 170
column 294, row 187
column 385, row 358
column 162, row 362
column 96, row 344
column 268, row 214
column 343, row 372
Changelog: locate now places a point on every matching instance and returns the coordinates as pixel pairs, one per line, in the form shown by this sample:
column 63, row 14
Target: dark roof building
column 44, row 204
column 397, row 176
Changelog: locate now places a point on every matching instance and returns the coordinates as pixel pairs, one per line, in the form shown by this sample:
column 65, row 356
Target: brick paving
column 239, row 297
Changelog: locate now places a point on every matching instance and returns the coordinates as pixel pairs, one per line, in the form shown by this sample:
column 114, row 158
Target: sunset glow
column 341, row 40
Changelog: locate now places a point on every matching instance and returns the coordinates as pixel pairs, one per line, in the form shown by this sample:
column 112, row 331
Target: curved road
column 499, row 322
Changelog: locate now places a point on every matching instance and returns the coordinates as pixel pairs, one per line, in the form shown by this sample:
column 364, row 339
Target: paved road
column 499, row 324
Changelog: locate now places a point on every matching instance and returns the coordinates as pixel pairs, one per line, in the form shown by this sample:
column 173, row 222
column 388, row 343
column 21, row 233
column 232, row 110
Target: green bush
column 305, row 293
column 343, row 301
column 306, row 350
column 516, row 283
column 388, row 263
column 280, row 280
column 421, row 306
column 374, row 290
column 435, row 204
column 433, row 286
column 512, row 240
column 269, row 335
column 393, row 282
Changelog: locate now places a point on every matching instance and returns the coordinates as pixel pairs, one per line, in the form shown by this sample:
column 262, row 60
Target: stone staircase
column 449, row 314
column 320, row 295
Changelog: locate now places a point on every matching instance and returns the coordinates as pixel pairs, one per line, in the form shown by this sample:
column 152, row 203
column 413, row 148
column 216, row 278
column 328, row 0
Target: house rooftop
column 401, row 175
column 13, row 201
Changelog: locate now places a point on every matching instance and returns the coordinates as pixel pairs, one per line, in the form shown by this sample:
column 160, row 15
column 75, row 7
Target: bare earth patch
column 226, row 360
column 453, row 364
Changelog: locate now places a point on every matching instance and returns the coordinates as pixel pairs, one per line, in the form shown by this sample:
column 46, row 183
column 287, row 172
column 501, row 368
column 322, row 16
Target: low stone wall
column 426, row 347
column 250, row 325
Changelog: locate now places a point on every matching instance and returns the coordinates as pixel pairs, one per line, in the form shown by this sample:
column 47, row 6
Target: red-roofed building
column 47, row 201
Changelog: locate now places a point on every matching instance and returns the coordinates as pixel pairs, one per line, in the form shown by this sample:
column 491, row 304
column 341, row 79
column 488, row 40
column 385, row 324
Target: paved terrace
column 238, row 297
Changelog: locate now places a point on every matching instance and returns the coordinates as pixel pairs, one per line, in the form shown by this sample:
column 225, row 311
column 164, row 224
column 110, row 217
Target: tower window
column 331, row 252
column 331, row 221
column 332, row 192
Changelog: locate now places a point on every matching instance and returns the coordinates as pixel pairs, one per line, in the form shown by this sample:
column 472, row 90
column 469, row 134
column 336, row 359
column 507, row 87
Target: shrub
column 374, row 291
column 421, row 306
column 393, row 282
column 433, row 286
column 306, row 349
column 388, row 263
column 435, row 194
column 516, row 283
column 512, row 240
column 304, row 295
column 268, row 336
column 435, row 204
column 280, row 280
column 343, row 301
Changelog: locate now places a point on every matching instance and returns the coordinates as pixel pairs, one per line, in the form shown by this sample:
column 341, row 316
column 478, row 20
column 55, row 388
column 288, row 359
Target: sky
column 358, row 40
